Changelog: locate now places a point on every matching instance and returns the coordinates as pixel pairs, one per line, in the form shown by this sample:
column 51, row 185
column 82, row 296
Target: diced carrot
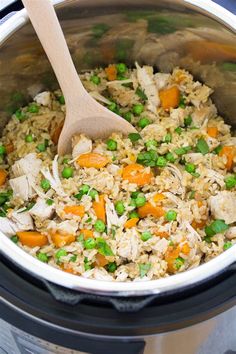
column 111, row 72
column 3, row 176
column 32, row 238
column 61, row 240
column 149, row 209
column 199, row 225
column 87, row 233
column 158, row 197
column 229, row 152
column 171, row 254
column 212, row 132
column 9, row 148
column 99, row 208
column 170, row 97
column 77, row 210
column 185, row 249
column 101, row 260
column 56, row 133
column 200, row 203
column 92, row 159
column 67, row 269
column 161, row 234
column 131, row 223
column 136, row 173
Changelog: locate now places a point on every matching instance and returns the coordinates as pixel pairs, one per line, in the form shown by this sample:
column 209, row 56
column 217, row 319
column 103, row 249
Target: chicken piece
column 223, row 206
column 21, row 187
column 42, row 210
column 145, row 79
column 231, row 233
column 80, row 145
column 64, row 227
column 128, row 246
column 161, row 80
column 22, row 219
column 203, row 113
column 8, row 227
column 112, row 217
column 161, row 245
column 43, row 98
column 29, row 164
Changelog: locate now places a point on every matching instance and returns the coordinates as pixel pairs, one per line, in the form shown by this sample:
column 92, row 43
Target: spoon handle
column 48, row 29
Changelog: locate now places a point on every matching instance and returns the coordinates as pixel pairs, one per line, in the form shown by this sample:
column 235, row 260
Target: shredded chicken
column 54, row 177
column 231, row 233
column 28, row 165
column 43, row 98
column 128, row 246
column 8, row 227
column 223, row 206
column 42, row 210
column 21, row 187
column 148, row 86
column 99, row 97
column 112, row 217
column 65, row 227
column 161, row 80
column 80, row 145
column 23, row 219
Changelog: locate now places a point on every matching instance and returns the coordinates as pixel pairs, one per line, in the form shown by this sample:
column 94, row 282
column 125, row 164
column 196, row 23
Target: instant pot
column 45, row 310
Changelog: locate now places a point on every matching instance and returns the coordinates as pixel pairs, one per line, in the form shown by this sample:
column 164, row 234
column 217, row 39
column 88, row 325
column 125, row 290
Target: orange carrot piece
column 101, row 260
column 9, row 148
column 92, row 159
column 185, row 249
column 229, row 152
column 111, row 72
column 158, row 197
column 212, row 132
column 3, row 176
column 149, row 209
column 199, row 225
column 170, row 97
column 87, row 233
column 131, row 223
column 99, row 208
column 77, row 210
column 170, row 257
column 161, row 234
column 57, row 132
column 136, row 173
column 62, row 240
column 32, row 238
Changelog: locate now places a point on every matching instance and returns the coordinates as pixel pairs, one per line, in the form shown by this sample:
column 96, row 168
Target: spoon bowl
column 83, row 113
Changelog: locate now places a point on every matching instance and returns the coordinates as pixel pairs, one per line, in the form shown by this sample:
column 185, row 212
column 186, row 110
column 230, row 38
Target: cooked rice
column 123, row 253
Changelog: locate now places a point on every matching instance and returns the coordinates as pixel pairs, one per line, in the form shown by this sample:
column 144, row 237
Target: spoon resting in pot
column 83, row 113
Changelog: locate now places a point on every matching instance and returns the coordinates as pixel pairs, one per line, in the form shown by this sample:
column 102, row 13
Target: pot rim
column 134, row 288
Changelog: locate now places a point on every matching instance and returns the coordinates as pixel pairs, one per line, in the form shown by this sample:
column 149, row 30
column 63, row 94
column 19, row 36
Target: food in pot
column 137, row 207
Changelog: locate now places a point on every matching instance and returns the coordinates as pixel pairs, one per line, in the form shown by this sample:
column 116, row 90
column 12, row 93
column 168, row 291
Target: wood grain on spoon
column 83, row 113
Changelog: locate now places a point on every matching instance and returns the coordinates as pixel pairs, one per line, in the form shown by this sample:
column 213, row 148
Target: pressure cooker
column 45, row 310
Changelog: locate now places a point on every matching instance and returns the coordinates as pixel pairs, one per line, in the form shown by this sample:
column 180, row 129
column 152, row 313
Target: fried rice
column 137, row 207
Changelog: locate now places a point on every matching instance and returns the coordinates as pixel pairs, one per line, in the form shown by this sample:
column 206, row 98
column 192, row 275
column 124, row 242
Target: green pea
column 73, row 258
column 41, row 147
column 99, row 226
column 168, row 138
column 60, row 253
column 138, row 109
column 190, row 168
column 121, row 68
column 227, row 245
column 170, row 157
column 230, row 182
column 120, row 208
column 95, row 79
column 127, row 116
column 15, row 238
column 112, row 106
column 171, row 215
column 134, row 137
column 42, row 257
column 143, row 122
column 85, row 188
column 188, row 121
column 49, row 202
column 45, row 184
column 65, row 161
column 180, row 151
column 151, row 144
column 140, row 200
column 20, row 115
column 134, row 195
column 133, row 214
column 33, row 108
column 111, row 267
column 93, row 193
column 161, row 161
column 111, row 145
column 178, row 130
column 67, row 172
column 3, row 150
column 61, row 100
column 146, row 235
column 179, row 261
column 90, row 243
column 29, row 138
column 182, row 103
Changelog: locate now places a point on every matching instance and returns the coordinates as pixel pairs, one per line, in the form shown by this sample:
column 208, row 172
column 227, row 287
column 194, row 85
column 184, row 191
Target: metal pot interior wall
column 160, row 33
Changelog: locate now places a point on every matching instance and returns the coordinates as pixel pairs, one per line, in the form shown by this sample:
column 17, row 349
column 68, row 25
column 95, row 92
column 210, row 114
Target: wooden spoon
column 83, row 113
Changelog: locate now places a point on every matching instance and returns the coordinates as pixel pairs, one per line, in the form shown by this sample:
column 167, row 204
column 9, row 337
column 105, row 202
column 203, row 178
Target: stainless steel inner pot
column 163, row 33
